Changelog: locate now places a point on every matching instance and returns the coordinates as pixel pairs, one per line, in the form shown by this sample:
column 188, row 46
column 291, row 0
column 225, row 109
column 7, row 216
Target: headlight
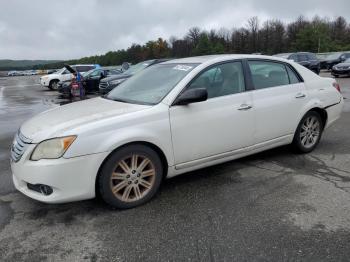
column 52, row 148
column 117, row 82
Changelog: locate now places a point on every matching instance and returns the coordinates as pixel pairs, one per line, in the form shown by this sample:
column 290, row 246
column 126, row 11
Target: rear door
column 277, row 99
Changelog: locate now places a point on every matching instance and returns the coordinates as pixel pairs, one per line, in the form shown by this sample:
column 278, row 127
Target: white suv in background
column 51, row 81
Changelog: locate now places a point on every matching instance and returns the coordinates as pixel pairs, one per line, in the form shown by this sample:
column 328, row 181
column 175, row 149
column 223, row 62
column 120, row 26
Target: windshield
column 322, row 56
column 61, row 71
column 85, row 74
column 151, row 85
column 137, row 68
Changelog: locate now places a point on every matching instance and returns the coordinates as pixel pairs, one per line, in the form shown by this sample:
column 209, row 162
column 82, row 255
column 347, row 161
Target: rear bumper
column 334, row 112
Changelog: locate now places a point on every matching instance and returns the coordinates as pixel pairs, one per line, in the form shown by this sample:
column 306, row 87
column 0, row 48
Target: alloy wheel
column 133, row 177
column 310, row 131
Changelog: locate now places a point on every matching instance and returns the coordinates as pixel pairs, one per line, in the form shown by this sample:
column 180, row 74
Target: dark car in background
column 341, row 69
column 336, row 58
column 322, row 57
column 307, row 59
column 90, row 82
column 108, row 83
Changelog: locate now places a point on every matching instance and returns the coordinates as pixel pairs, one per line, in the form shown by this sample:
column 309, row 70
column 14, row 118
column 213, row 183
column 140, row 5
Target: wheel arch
column 53, row 80
column 157, row 149
column 322, row 112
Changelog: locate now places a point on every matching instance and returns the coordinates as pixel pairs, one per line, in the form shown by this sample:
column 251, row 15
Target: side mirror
column 192, row 96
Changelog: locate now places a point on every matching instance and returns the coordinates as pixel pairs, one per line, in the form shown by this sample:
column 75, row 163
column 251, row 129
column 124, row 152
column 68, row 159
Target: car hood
column 61, row 120
column 332, row 61
column 115, row 77
column 343, row 64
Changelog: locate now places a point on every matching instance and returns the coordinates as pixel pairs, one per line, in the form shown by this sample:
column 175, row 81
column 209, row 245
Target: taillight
column 337, row 86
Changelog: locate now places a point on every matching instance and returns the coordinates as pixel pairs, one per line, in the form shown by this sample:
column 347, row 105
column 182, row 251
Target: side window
column 293, row 78
column 221, row 80
column 268, row 74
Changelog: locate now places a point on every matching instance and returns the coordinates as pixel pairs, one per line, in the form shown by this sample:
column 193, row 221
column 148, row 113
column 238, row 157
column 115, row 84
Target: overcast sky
column 65, row 29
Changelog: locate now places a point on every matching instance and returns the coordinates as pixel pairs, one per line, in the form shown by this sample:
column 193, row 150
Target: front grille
column 104, row 85
column 19, row 145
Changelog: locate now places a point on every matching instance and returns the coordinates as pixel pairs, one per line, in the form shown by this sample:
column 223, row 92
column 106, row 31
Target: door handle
column 244, row 107
column 300, row 95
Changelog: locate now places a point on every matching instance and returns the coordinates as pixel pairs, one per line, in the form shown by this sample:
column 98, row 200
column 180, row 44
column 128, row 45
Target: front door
column 223, row 123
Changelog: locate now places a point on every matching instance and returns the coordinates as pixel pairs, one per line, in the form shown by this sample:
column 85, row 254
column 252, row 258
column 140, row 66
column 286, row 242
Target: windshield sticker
column 183, row 67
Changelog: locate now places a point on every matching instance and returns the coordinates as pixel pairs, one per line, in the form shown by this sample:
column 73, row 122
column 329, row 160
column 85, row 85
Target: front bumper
column 71, row 179
column 44, row 82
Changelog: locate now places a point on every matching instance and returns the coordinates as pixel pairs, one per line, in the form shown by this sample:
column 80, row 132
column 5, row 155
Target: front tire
column 53, row 85
column 308, row 133
column 130, row 177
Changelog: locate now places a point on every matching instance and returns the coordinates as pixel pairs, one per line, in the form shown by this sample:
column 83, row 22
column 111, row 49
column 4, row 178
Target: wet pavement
column 273, row 206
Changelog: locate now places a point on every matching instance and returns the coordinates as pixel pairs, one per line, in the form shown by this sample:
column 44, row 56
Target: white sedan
column 169, row 119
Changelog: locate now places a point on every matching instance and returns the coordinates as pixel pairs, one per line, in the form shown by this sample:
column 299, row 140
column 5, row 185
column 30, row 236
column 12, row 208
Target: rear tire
column 308, row 133
column 130, row 177
column 53, row 85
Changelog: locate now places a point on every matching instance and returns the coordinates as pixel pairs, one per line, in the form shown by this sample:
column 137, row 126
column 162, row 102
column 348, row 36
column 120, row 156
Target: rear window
column 267, row 74
column 311, row 56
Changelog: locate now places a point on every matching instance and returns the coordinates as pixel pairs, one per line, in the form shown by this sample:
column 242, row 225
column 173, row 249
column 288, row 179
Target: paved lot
column 273, row 206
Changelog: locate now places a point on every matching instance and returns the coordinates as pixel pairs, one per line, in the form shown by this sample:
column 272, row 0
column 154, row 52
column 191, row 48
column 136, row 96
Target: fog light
column 43, row 189
column 46, row 190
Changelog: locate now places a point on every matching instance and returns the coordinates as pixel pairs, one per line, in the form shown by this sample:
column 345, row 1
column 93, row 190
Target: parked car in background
column 341, row 69
column 91, row 80
column 12, row 73
column 169, row 119
column 51, row 81
column 336, row 58
column 309, row 60
column 109, row 83
column 322, row 57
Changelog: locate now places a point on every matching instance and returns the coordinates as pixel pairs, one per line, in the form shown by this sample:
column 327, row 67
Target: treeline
column 268, row 37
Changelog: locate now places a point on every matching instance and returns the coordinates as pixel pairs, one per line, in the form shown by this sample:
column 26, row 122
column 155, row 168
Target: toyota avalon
column 167, row 120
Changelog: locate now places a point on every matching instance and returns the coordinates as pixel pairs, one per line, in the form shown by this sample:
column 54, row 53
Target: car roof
column 217, row 58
